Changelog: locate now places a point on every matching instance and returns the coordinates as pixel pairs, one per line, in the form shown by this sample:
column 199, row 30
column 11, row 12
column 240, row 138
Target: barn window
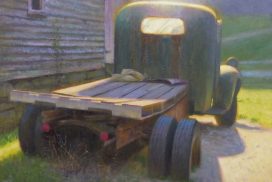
column 36, row 4
column 36, row 7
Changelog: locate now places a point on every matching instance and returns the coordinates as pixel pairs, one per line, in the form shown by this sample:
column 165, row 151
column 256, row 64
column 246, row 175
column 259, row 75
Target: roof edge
column 205, row 8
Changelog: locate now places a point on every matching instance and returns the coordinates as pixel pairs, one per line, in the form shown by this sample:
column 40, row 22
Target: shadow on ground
column 217, row 142
column 238, row 153
column 130, row 165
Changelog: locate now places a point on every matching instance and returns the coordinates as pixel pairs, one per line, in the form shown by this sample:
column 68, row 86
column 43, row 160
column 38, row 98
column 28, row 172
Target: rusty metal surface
column 194, row 56
column 69, row 38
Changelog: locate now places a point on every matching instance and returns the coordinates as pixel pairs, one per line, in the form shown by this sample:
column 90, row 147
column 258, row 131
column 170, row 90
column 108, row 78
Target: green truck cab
column 179, row 40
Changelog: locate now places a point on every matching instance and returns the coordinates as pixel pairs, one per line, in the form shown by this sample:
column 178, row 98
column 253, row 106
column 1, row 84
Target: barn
column 48, row 44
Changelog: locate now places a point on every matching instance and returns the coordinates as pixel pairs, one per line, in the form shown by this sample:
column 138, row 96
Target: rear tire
column 27, row 129
column 160, row 146
column 186, row 149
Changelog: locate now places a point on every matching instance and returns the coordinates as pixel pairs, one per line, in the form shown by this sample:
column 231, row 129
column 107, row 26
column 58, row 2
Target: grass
column 255, row 101
column 233, row 25
column 254, row 48
column 16, row 167
column 8, row 137
column 255, row 98
column 252, row 67
column 249, row 48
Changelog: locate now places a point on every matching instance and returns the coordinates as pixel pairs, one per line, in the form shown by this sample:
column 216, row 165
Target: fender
column 228, row 87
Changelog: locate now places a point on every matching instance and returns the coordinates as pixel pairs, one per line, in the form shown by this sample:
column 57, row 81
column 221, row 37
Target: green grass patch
column 254, row 48
column 20, row 168
column 16, row 167
column 252, row 67
column 233, row 25
column 255, row 101
column 8, row 137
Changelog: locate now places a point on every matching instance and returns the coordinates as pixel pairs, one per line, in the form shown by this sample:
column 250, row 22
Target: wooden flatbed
column 133, row 100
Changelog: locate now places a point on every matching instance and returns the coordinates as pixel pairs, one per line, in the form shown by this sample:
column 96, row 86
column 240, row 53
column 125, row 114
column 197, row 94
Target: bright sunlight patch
column 9, row 150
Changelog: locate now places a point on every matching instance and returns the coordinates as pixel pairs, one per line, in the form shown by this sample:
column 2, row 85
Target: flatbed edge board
column 138, row 109
column 74, row 90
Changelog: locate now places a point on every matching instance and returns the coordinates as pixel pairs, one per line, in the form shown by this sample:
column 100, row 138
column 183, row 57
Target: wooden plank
column 131, row 109
column 124, row 90
column 174, row 92
column 143, row 90
column 174, row 96
column 158, row 92
column 24, row 74
column 128, row 111
column 100, row 89
column 76, row 89
column 72, row 31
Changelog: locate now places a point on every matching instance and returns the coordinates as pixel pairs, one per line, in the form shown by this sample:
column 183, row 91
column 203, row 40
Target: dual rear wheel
column 174, row 148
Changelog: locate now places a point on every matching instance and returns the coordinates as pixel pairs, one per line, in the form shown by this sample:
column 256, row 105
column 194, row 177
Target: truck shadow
column 217, row 142
column 218, row 145
column 131, row 163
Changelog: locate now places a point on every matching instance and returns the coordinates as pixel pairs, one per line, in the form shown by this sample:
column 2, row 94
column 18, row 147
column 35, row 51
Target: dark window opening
column 36, row 8
column 36, row 4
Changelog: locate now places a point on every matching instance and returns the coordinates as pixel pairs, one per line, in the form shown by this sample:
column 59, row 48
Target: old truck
column 173, row 53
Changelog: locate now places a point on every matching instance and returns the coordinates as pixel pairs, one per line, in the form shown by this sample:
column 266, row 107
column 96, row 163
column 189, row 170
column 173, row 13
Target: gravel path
column 240, row 153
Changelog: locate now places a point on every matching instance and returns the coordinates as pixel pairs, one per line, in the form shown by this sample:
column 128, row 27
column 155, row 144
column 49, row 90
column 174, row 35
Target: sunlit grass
column 256, row 105
column 9, row 150
column 255, row 101
column 8, row 137
column 16, row 167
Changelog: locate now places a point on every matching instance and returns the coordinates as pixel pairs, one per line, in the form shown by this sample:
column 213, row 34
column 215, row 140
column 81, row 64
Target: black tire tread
column 160, row 146
column 27, row 129
column 183, row 149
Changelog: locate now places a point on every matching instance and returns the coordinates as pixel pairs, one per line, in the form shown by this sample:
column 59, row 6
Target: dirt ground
column 242, row 153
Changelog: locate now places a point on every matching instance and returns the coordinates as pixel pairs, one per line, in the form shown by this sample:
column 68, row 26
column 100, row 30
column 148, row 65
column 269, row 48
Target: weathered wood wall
column 69, row 38
column 65, row 47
